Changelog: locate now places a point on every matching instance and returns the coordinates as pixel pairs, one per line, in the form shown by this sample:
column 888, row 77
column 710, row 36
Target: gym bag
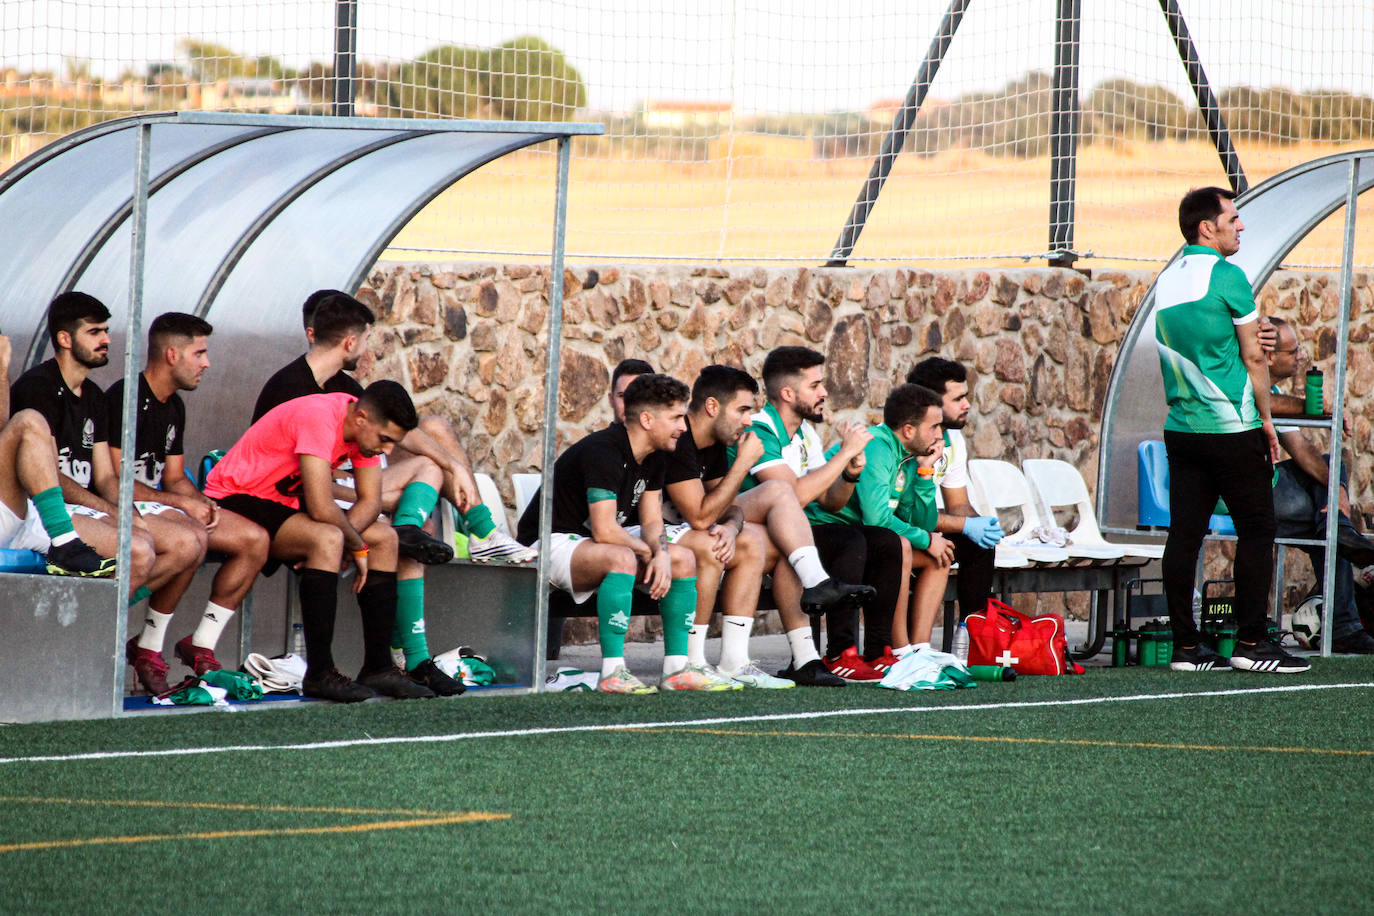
column 1028, row 645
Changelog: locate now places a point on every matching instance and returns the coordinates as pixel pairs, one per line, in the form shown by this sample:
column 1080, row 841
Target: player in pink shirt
column 279, row 475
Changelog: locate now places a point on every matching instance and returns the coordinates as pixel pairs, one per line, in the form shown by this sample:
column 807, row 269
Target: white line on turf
column 687, row 723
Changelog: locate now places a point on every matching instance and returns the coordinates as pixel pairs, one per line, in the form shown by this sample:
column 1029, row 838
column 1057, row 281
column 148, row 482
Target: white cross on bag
column 1006, row 659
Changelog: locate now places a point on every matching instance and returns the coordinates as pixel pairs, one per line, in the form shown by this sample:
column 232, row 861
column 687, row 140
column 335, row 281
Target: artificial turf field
column 1123, row 790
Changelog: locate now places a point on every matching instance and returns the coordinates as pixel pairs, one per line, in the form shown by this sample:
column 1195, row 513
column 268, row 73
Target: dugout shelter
column 235, row 218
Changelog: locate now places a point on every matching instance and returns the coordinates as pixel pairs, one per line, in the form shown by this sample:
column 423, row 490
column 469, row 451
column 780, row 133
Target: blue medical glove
column 983, row 530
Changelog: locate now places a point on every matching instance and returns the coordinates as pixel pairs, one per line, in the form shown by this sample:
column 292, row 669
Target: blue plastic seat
column 1152, row 490
column 21, row 561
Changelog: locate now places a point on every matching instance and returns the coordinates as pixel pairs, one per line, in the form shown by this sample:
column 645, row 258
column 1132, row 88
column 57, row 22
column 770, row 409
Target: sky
column 766, row 55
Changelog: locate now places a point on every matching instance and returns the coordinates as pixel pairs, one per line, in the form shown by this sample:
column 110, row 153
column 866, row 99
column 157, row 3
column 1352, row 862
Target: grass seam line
column 686, row 723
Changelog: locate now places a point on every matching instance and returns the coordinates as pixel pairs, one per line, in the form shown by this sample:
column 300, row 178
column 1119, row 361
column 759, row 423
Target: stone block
column 582, row 384
column 847, row 363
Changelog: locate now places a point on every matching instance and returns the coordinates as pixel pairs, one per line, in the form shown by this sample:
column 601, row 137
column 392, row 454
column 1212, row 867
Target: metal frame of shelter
column 1277, row 215
column 206, row 159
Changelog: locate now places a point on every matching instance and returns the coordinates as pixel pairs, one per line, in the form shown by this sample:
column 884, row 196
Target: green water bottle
column 1312, row 392
column 991, row 673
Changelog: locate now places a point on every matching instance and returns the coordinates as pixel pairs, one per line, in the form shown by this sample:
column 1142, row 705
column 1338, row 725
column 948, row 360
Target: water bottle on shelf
column 961, row 642
column 1312, row 392
column 298, row 639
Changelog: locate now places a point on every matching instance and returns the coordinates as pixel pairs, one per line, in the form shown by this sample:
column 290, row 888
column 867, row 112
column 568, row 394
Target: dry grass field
column 766, row 202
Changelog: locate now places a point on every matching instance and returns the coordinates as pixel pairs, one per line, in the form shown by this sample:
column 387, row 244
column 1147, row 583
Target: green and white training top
column 1200, row 300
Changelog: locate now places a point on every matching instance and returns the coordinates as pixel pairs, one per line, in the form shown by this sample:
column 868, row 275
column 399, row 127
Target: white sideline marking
column 688, row 723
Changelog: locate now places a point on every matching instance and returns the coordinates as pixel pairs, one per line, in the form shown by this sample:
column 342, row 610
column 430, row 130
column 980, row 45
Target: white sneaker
column 750, row 675
column 499, row 546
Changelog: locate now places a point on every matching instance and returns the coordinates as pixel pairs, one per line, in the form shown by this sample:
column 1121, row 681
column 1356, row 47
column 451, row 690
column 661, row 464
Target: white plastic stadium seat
column 998, row 485
column 992, row 489
column 1059, row 484
column 525, row 487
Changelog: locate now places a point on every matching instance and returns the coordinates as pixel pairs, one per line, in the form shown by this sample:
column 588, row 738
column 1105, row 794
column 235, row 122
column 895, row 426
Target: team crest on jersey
column 901, row 481
column 639, row 491
column 171, row 437
column 88, row 434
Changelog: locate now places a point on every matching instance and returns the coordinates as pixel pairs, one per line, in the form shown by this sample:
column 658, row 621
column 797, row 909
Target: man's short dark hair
column 653, row 392
column 784, row 364
column 630, row 367
column 1200, row 204
column 721, row 383
column 171, row 326
column 313, row 301
column 936, row 373
column 69, row 309
column 1278, row 322
column 338, row 315
column 909, row 404
column 388, row 402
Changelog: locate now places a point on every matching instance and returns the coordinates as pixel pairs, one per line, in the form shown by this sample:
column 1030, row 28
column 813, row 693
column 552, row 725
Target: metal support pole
column 896, row 135
column 551, row 364
column 1064, row 133
column 1333, row 481
column 133, row 360
column 1206, row 101
column 345, row 55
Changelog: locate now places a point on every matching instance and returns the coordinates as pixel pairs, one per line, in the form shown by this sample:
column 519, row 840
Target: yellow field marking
column 1080, row 742
column 429, row 819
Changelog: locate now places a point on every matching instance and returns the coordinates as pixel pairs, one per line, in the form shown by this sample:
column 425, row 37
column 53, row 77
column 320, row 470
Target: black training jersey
column 295, row 380
column 159, row 431
column 687, row 462
column 77, row 421
column 599, row 466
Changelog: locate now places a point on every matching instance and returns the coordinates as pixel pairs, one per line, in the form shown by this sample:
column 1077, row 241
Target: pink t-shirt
column 266, row 462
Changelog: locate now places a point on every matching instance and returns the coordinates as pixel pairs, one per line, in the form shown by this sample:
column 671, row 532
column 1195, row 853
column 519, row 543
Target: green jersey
column 889, row 494
column 1200, row 300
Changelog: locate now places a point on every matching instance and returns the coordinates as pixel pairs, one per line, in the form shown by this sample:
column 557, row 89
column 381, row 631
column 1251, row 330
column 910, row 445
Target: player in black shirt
column 599, row 483
column 178, row 355
column 78, row 326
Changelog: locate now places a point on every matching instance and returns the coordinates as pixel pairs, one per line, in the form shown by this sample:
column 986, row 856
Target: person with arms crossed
column 178, row 355
column 280, row 476
column 75, row 410
column 1218, row 435
column 603, row 483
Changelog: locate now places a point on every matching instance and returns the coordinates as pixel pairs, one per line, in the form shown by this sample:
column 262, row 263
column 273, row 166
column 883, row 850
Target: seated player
column 75, row 411
column 794, row 459
column 178, row 355
column 602, row 483
column 703, row 490
column 896, row 491
column 337, row 326
column 33, row 515
column 280, row 476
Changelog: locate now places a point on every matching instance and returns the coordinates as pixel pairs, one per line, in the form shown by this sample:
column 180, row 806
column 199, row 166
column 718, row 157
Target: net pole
column 345, row 55
column 1064, row 133
column 1206, row 100
column 896, row 135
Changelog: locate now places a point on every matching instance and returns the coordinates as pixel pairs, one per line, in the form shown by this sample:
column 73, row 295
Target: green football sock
column 52, row 509
column 613, row 600
column 416, row 503
column 678, row 609
column 479, row 523
column 409, row 635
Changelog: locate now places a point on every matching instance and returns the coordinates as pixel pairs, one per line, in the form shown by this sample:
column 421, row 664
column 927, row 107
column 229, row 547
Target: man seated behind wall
column 74, row 408
column 33, row 514
column 896, row 491
column 280, row 476
column 974, row 537
column 178, row 355
column 608, row 534
column 794, row 457
column 1300, row 492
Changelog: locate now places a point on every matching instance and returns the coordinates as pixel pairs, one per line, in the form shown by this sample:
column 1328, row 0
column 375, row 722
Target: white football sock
column 672, row 664
column 211, row 625
column 902, row 651
column 64, row 539
column 803, row 646
column 806, row 562
column 154, row 630
column 734, row 642
column 917, row 647
column 608, row 665
column 696, row 644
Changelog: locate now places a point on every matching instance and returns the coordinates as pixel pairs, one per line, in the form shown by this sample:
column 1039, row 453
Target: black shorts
column 264, row 513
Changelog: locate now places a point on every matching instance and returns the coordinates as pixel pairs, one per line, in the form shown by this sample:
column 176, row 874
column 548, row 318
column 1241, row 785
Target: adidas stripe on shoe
column 1266, row 657
column 1197, row 658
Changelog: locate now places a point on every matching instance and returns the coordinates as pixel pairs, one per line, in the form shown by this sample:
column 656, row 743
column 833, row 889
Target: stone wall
column 468, row 341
